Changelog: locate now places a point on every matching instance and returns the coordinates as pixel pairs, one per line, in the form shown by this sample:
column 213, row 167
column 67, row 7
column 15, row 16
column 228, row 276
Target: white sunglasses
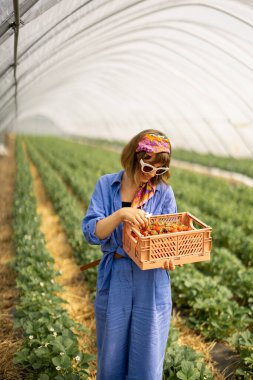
column 147, row 168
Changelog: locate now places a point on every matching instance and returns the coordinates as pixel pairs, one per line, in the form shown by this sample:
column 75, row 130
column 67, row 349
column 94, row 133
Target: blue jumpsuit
column 132, row 307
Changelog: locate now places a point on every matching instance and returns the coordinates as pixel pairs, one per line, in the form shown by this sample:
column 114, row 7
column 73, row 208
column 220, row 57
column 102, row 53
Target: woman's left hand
column 170, row 265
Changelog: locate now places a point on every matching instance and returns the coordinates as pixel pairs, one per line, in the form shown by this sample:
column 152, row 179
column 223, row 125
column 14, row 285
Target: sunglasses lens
column 160, row 171
column 147, row 169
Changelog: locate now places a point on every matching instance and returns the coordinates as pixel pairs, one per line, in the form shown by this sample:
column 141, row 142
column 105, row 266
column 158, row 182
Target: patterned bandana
column 152, row 143
column 145, row 192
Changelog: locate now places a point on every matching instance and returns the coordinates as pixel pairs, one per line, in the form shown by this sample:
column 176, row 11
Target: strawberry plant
column 182, row 362
column 243, row 342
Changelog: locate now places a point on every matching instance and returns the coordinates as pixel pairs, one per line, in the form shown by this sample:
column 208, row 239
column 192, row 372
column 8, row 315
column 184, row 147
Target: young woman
column 132, row 307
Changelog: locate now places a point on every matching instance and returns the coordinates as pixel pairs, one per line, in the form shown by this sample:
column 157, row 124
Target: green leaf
column 56, row 361
column 43, row 376
column 65, row 361
column 188, row 372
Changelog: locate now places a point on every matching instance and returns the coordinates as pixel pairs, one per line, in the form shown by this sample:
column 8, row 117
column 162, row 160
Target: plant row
column 243, row 166
column 69, row 211
column 213, row 194
column 215, row 201
column 228, row 270
column 50, row 347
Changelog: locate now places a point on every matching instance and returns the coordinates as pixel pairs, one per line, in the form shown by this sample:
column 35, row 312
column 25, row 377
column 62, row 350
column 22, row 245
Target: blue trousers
column 132, row 322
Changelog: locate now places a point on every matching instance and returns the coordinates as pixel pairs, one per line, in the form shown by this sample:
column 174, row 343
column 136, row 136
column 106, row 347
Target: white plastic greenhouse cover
column 108, row 69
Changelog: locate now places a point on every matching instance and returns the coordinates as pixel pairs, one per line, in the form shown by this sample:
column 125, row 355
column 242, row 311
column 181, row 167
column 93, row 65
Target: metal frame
column 245, row 105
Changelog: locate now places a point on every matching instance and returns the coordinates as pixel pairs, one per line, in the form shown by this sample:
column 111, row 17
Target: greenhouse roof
column 107, row 69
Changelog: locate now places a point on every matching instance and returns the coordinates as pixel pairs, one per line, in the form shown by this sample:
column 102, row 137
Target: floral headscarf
column 152, row 143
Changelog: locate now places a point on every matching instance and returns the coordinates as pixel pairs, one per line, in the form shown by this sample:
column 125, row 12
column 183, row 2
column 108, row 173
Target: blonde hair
column 130, row 159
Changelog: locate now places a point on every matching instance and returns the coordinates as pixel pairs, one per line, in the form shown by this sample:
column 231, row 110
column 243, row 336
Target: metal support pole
column 16, row 34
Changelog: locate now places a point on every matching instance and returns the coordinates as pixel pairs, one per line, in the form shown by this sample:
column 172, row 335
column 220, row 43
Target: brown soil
column 76, row 292
column 9, row 339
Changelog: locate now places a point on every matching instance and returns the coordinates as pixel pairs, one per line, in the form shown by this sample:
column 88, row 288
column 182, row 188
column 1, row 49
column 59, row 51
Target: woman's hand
column 106, row 226
column 134, row 216
column 170, row 265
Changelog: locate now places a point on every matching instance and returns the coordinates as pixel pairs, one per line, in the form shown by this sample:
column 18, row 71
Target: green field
column 215, row 298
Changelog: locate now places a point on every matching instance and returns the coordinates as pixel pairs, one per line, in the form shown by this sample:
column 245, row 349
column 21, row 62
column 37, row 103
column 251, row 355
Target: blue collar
column 118, row 177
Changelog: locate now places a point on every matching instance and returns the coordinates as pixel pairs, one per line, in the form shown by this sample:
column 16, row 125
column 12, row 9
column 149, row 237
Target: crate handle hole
column 195, row 225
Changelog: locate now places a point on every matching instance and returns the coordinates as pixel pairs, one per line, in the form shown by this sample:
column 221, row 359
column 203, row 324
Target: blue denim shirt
column 105, row 200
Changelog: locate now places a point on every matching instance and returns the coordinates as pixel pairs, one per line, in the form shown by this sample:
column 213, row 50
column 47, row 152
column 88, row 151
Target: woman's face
column 145, row 177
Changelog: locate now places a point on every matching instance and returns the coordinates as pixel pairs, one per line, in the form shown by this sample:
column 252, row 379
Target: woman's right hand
column 134, row 216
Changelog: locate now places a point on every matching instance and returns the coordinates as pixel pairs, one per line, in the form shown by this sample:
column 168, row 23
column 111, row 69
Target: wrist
column 121, row 214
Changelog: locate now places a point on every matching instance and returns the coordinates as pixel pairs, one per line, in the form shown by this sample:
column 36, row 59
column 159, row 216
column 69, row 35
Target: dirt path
column 9, row 339
column 76, row 292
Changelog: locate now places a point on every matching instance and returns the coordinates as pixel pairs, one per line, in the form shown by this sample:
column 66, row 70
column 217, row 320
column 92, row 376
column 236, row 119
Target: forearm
column 106, row 226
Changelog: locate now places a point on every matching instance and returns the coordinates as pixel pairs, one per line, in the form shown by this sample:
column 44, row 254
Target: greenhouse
column 126, row 131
